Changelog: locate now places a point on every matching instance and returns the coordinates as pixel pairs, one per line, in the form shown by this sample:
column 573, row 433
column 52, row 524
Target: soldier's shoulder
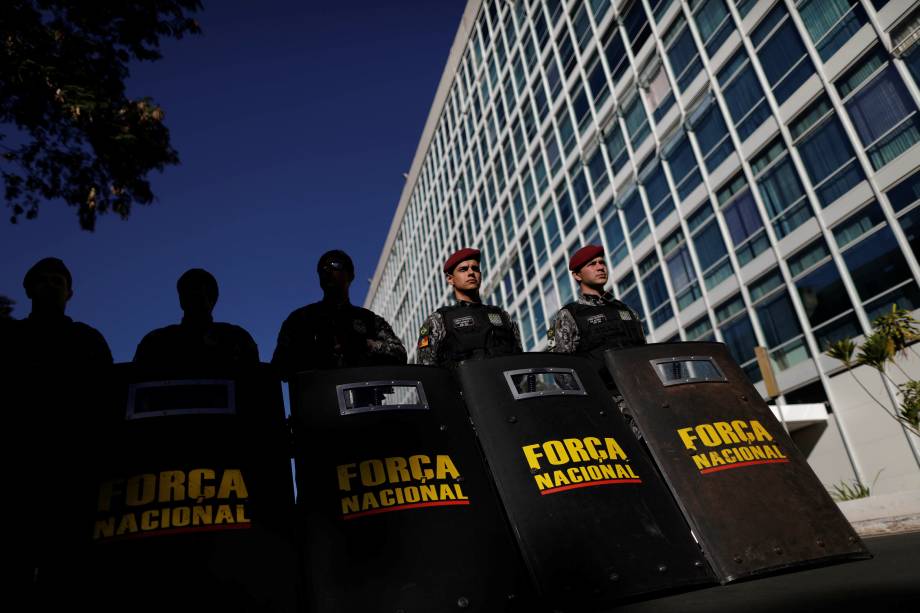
column 231, row 329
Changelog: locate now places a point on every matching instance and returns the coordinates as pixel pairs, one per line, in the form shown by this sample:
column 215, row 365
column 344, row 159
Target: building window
column 778, row 321
column 597, row 82
column 566, row 213
column 700, row 330
column 597, row 168
column 782, row 54
column 616, row 147
column 742, row 217
column 880, row 107
column 658, row 91
column 876, row 265
column 714, row 23
column 781, row 189
column 658, row 193
column 615, row 52
column 613, row 234
column 684, row 169
column 826, row 151
column 738, row 335
column 636, row 222
column 743, row 95
column 904, row 199
column 680, row 269
column 636, row 121
column 710, row 248
column 823, row 295
column 831, row 23
column 564, row 281
column 629, row 294
column 656, row 292
column 682, row 52
column 711, row 133
column 566, row 130
column 635, row 21
column 660, row 7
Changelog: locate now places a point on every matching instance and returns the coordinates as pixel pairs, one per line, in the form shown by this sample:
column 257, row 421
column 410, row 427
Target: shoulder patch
column 423, row 331
column 626, row 315
column 551, row 333
column 423, row 341
column 495, row 319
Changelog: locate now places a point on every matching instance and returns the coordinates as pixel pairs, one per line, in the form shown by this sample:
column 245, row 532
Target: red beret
column 460, row 256
column 584, row 255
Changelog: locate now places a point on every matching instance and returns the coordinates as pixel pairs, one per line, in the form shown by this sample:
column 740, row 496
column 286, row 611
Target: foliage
column 68, row 129
column 910, row 402
column 849, row 490
column 892, row 336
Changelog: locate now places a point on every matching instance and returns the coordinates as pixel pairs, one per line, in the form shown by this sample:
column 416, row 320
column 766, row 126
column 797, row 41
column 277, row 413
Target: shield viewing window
column 380, row 396
column 687, row 369
column 536, row 382
column 181, row 397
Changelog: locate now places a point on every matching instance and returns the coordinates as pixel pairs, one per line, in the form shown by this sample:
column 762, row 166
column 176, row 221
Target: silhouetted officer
column 47, row 339
column 52, row 368
column 333, row 333
column 466, row 329
column 198, row 340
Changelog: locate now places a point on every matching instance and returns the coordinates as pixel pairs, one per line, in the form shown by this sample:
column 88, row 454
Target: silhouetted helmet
column 197, row 277
column 337, row 260
column 47, row 265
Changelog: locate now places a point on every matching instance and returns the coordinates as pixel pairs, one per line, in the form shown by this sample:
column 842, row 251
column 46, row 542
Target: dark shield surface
column 395, row 500
column 187, row 500
column 594, row 520
column 753, row 502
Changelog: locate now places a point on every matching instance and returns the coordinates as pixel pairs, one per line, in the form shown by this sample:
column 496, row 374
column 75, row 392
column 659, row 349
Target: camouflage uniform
column 327, row 335
column 563, row 331
column 433, row 332
column 564, row 337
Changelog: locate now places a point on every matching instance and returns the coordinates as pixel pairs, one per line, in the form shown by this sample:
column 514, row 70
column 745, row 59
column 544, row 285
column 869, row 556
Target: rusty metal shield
column 395, row 501
column 594, row 520
column 753, row 502
column 187, row 502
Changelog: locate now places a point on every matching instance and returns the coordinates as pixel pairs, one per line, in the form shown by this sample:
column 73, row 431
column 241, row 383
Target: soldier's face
column 466, row 276
column 50, row 289
column 594, row 273
column 334, row 275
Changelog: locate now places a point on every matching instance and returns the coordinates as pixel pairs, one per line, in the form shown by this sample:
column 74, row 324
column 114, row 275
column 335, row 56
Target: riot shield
column 752, row 500
column 594, row 521
column 396, row 502
column 188, row 501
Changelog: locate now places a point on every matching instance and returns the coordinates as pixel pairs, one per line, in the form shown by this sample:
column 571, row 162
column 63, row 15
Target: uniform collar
column 595, row 300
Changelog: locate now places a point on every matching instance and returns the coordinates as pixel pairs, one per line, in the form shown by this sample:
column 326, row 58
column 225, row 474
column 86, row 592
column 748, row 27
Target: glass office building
column 752, row 168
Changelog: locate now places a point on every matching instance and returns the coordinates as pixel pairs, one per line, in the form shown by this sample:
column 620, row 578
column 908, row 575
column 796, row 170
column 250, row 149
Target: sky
column 294, row 122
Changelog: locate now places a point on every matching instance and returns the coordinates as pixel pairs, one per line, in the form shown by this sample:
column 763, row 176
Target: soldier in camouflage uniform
column 596, row 321
column 333, row 333
column 466, row 329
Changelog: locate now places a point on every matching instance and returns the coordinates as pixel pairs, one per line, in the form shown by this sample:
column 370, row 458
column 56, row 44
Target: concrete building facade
column 752, row 168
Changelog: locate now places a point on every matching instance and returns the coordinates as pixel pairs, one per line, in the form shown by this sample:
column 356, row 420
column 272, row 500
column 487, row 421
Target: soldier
column 47, row 338
column 333, row 333
column 466, row 329
column 596, row 321
column 198, row 340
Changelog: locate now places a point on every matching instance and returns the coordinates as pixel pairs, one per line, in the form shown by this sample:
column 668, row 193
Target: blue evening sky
column 294, row 121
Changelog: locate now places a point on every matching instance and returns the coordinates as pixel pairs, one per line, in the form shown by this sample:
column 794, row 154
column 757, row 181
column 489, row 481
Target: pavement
column 884, row 514
column 888, row 582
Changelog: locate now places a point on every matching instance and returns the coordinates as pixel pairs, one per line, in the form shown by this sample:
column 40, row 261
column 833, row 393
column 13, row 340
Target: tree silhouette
column 67, row 129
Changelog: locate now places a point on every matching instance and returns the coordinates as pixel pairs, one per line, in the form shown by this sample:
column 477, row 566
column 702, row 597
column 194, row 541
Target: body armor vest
column 347, row 328
column 607, row 326
column 475, row 331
